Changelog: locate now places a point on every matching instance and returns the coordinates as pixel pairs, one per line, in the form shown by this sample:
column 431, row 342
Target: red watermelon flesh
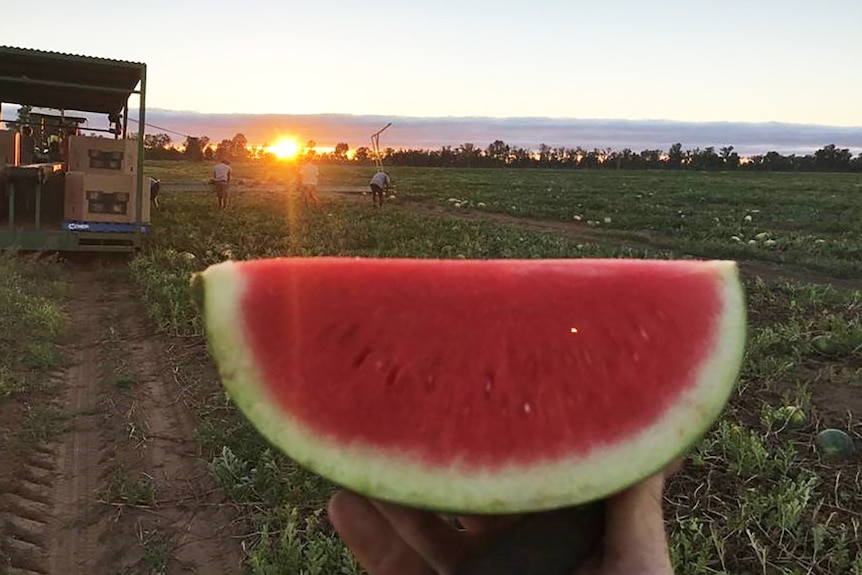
column 477, row 369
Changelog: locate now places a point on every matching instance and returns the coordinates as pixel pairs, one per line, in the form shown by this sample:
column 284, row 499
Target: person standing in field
column 308, row 176
column 379, row 185
column 155, row 186
column 28, row 146
column 221, row 182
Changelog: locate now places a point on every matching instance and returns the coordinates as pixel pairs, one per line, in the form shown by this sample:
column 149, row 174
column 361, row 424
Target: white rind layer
column 399, row 478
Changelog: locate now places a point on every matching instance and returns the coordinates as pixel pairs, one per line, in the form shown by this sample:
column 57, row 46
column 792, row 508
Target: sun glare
column 284, row 148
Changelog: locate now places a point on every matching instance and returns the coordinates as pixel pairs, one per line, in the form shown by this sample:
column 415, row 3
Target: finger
column 634, row 530
column 372, row 538
column 434, row 539
column 675, row 466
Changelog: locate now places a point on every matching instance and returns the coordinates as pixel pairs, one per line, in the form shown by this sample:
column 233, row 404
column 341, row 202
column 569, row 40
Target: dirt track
column 120, row 489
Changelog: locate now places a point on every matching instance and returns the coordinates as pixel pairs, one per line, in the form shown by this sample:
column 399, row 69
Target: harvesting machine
column 65, row 184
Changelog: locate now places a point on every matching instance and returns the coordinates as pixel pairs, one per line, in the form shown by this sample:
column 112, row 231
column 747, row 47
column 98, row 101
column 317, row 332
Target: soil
column 119, row 486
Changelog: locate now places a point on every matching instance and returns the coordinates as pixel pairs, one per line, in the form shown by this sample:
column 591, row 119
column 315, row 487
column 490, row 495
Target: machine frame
column 71, row 82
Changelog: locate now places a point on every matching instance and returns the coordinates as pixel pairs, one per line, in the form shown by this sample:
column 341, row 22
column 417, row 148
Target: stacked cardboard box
column 103, row 198
column 101, row 181
column 102, row 155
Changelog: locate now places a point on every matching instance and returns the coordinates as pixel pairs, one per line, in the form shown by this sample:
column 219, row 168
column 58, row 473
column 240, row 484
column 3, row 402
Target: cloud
column 419, row 132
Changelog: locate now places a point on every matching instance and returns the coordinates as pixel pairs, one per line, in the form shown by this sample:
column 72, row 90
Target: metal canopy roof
column 67, row 81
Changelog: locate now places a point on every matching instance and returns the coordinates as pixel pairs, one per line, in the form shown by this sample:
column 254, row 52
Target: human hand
column 389, row 539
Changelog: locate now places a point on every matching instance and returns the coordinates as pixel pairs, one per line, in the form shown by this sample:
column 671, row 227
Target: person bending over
column 379, row 186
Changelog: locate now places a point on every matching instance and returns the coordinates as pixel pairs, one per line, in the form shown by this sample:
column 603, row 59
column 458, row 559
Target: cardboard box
column 107, row 156
column 10, row 148
column 101, row 198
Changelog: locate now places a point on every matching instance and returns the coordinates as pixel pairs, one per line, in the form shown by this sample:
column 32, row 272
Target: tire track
column 49, row 510
column 81, row 455
column 188, row 508
column 24, row 534
column 103, row 474
column 26, row 513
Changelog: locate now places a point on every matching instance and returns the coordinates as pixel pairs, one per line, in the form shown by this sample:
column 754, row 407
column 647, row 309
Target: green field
column 754, row 497
column 813, row 221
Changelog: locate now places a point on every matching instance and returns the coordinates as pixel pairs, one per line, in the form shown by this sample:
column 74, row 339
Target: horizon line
column 500, row 118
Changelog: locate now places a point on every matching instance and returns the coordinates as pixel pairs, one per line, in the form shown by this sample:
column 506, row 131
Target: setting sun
column 284, row 148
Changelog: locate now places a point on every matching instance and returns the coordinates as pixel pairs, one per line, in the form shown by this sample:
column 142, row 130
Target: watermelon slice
column 490, row 386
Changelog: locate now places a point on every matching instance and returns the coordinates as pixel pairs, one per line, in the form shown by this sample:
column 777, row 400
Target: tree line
column 829, row 158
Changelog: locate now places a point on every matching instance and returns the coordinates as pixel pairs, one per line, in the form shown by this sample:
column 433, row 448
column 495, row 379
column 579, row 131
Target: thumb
column 635, row 538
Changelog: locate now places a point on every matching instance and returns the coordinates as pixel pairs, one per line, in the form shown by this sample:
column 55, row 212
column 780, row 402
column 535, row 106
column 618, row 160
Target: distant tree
column 705, row 159
column 498, row 151
column 239, row 147
column 156, row 141
column 545, row 155
column 774, row 162
column 519, row 157
column 652, row 159
column 729, row 157
column 340, row 153
column 468, row 154
column 362, row 155
column 627, row 160
column 675, row 156
column 224, row 151
column 591, row 159
column 829, row 158
column 157, row 147
column 448, row 157
column 194, row 152
column 22, row 118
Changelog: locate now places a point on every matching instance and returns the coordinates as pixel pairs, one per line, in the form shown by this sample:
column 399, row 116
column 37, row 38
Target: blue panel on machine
column 104, row 227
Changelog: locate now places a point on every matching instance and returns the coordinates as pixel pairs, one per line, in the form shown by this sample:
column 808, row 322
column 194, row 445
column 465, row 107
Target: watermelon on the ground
column 826, row 345
column 482, row 386
column 834, row 444
column 791, row 416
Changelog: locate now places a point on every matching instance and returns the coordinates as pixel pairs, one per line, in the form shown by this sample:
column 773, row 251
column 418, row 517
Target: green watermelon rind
column 834, row 444
column 401, row 478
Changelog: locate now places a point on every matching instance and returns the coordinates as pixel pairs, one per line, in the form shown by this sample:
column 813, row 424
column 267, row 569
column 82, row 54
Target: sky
column 784, row 61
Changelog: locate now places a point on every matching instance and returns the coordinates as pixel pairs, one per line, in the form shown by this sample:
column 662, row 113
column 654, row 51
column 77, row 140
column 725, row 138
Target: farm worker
column 54, row 154
column 155, row 186
column 389, row 539
column 308, row 175
column 28, row 146
column 379, row 185
column 221, row 181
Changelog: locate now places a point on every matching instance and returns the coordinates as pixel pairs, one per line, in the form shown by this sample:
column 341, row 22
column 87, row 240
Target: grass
column 32, row 322
column 158, row 548
column 755, row 496
column 123, row 488
column 43, row 422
